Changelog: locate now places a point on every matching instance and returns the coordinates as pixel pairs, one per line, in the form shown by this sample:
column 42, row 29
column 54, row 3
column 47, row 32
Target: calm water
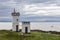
column 46, row 26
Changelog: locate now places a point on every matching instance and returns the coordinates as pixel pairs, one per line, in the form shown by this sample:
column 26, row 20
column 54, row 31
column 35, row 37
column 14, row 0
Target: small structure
column 25, row 27
column 15, row 24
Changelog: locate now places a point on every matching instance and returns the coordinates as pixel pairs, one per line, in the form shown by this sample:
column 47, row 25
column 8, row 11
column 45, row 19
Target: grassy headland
column 9, row 35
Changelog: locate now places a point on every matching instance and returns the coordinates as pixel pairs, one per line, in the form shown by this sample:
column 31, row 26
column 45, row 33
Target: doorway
column 16, row 28
column 26, row 29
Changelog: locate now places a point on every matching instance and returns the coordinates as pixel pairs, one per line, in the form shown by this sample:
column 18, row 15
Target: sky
column 31, row 10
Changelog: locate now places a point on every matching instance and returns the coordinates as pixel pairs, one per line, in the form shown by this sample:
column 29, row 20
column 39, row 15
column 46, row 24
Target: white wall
column 15, row 22
column 25, row 25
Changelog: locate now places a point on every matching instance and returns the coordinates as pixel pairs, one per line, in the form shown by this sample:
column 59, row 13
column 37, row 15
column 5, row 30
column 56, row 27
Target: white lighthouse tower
column 15, row 24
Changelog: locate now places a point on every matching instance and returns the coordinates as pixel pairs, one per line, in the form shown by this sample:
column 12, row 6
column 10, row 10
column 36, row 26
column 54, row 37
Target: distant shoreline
column 34, row 21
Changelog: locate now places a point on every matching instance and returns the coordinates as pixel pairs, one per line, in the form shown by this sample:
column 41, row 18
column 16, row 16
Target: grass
column 9, row 35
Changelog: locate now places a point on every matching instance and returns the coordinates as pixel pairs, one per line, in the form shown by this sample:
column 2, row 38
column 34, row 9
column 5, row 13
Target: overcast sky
column 32, row 10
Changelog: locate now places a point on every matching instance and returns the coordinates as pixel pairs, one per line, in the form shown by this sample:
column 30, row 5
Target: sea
column 45, row 26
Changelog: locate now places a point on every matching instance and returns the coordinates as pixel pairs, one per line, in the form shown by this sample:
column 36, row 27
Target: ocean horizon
column 45, row 26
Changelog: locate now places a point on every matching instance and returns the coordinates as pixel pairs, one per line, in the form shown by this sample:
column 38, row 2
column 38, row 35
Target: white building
column 15, row 24
column 25, row 27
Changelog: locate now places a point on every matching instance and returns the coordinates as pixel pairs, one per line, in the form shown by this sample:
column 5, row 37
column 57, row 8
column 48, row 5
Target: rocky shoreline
column 52, row 32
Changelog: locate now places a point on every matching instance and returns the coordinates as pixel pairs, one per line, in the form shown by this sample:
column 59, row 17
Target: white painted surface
column 15, row 22
column 25, row 25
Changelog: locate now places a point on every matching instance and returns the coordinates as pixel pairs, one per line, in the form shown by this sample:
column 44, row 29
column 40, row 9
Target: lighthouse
column 15, row 24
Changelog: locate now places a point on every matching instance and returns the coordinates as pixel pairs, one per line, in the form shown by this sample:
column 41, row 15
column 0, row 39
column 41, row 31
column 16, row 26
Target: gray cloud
column 47, row 2
column 33, row 1
column 5, row 10
column 4, row 0
column 38, row 1
column 6, row 7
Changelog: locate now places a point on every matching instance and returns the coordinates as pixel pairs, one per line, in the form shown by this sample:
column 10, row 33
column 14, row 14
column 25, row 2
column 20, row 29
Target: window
column 17, row 19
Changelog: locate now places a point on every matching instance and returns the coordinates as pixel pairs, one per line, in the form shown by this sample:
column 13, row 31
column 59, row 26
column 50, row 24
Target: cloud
column 42, row 9
column 39, row 1
column 33, row 1
column 7, row 6
column 31, row 8
column 38, row 7
column 3, row 0
column 41, row 18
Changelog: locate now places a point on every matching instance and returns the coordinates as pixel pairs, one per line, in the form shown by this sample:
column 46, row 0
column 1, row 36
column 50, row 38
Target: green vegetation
column 9, row 35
